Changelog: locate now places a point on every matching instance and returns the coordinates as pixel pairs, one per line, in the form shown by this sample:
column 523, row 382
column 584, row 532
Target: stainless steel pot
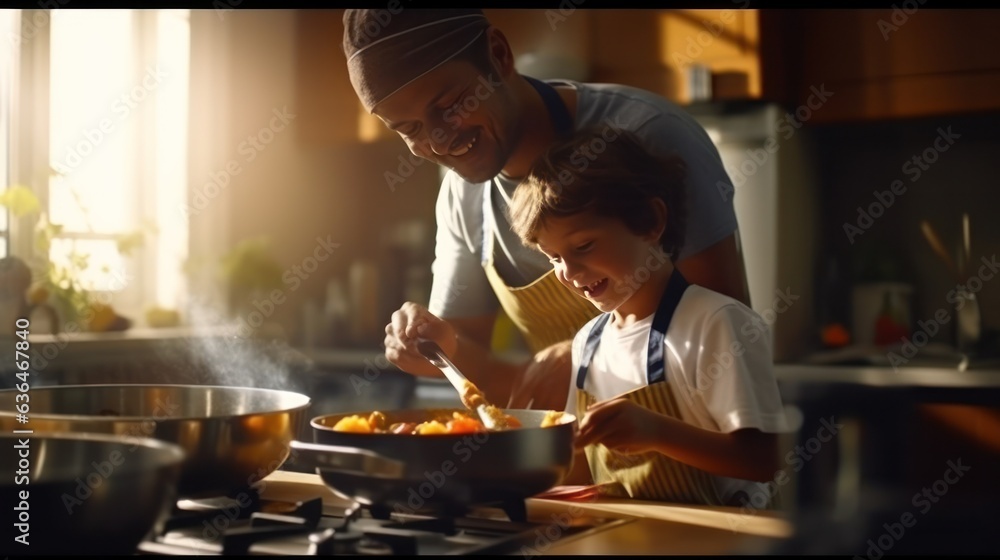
column 84, row 493
column 416, row 472
column 232, row 436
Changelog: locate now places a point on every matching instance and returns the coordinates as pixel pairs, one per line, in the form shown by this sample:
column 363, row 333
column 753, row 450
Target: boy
column 674, row 404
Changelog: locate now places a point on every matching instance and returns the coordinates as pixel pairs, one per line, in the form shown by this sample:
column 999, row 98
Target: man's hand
column 544, row 384
column 410, row 322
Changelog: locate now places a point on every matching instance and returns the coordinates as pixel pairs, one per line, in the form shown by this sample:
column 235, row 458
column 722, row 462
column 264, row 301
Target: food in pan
column 552, row 418
column 473, row 398
column 441, row 423
column 355, row 423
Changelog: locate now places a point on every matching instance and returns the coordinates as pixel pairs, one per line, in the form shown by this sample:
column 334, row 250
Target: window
column 7, row 23
column 103, row 146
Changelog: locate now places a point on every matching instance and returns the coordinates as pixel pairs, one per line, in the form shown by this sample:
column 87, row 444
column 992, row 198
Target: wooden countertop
column 645, row 527
column 887, row 377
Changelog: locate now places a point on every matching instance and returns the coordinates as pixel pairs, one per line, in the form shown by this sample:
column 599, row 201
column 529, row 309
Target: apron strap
column 562, row 122
column 656, row 365
column 487, row 247
column 593, row 337
column 655, row 362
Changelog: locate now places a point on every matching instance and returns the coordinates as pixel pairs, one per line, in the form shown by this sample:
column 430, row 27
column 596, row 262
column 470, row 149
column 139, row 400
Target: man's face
column 457, row 117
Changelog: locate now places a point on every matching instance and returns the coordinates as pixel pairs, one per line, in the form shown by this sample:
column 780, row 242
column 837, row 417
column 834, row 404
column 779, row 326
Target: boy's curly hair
column 607, row 172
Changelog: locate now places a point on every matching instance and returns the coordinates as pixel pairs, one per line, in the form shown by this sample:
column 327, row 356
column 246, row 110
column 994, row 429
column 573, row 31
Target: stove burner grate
column 273, row 527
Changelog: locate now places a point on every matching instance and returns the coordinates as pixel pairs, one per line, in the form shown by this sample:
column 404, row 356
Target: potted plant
column 61, row 286
column 250, row 273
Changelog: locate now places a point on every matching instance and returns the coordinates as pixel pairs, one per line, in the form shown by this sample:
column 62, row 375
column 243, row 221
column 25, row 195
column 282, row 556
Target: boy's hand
column 410, row 322
column 620, row 425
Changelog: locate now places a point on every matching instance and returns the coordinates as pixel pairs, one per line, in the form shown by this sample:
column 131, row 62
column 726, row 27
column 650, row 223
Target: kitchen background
column 891, row 95
column 819, row 114
column 843, row 130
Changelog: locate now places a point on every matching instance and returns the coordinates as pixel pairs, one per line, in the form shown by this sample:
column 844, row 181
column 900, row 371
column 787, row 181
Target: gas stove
column 246, row 524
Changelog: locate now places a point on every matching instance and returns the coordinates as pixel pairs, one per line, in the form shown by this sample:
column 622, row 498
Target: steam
column 221, row 352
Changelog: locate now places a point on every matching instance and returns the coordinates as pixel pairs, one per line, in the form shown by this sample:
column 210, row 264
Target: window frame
column 29, row 163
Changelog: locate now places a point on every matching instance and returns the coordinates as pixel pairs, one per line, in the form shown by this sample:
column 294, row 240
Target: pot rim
column 304, row 402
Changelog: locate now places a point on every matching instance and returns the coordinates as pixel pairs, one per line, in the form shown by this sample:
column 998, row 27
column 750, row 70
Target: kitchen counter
column 801, row 382
column 874, row 376
column 643, row 527
column 895, row 431
column 63, row 352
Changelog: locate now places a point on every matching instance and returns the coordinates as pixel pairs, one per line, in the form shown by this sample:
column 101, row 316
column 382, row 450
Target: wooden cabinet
column 879, row 64
column 324, row 95
column 883, row 64
column 654, row 49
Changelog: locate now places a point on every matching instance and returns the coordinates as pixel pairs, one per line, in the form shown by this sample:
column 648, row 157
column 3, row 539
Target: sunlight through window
column 7, row 22
column 173, row 35
column 92, row 120
column 118, row 148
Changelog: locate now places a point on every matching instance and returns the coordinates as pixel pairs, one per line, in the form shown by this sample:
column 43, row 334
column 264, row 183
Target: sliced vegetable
column 455, row 422
column 552, row 418
column 353, row 423
column 432, row 427
column 377, row 421
column 462, row 424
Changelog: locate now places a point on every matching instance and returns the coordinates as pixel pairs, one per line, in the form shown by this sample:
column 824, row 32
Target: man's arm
column 718, row 268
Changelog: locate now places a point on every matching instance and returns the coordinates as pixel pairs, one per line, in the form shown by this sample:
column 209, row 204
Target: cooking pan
column 84, row 493
column 232, row 436
column 410, row 473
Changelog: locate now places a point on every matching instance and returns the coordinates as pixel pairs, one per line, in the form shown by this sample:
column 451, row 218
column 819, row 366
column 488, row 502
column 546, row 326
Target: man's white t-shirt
column 718, row 363
column 461, row 288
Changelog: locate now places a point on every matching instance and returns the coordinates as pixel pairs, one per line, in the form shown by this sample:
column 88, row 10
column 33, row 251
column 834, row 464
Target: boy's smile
column 601, row 259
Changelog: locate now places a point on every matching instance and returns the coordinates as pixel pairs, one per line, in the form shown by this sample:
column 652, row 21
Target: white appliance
column 767, row 153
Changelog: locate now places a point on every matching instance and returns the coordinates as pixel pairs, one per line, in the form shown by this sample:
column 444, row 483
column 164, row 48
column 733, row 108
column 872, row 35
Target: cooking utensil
column 232, row 436
column 966, row 242
column 935, row 242
column 441, row 470
column 84, row 493
column 488, row 414
column 968, row 327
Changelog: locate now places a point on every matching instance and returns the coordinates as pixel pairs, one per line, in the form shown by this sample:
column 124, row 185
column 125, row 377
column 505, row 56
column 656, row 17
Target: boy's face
column 457, row 117
column 599, row 258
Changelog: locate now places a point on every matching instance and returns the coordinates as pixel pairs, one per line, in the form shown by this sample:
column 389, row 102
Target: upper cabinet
column 883, row 64
column 869, row 64
column 659, row 49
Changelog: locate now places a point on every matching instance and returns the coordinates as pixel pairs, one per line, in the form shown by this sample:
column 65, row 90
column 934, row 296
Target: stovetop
column 251, row 525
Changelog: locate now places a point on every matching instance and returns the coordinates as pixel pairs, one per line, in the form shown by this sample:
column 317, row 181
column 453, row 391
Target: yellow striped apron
column 544, row 311
column 651, row 475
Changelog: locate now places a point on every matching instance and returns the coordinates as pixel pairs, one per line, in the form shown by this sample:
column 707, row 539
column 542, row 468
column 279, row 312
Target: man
column 445, row 81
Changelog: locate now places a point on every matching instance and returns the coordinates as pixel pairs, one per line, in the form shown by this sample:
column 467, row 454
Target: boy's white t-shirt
column 718, row 363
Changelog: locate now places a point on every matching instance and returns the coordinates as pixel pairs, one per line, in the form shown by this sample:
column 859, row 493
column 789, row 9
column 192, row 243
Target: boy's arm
column 741, row 396
column 625, row 426
column 749, row 453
